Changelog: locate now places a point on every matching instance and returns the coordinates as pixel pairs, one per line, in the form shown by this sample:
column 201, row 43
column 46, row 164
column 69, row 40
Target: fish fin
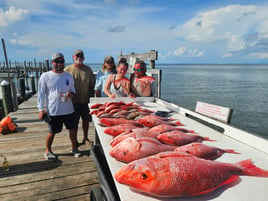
column 149, row 139
column 208, row 139
column 192, row 131
column 166, row 154
column 248, row 168
column 231, row 151
column 232, row 179
column 131, row 103
column 178, row 123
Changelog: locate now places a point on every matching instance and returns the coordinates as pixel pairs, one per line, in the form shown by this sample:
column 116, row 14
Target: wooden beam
column 150, row 56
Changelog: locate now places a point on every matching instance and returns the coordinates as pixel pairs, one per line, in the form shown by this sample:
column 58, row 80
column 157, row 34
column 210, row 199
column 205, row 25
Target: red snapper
column 171, row 174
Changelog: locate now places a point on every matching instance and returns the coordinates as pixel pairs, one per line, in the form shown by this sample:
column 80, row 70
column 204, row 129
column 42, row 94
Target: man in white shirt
column 55, row 90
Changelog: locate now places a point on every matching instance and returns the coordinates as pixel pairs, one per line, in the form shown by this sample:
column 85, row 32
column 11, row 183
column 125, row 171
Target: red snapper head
column 167, row 138
column 125, row 150
column 147, row 175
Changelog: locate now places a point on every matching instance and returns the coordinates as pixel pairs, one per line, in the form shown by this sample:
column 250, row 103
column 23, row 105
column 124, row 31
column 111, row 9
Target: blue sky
column 182, row 31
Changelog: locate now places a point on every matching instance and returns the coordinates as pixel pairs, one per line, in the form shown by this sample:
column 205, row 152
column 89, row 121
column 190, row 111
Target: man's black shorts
column 56, row 124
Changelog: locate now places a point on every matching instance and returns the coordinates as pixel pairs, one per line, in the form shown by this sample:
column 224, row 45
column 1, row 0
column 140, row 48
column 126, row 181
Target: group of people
column 64, row 92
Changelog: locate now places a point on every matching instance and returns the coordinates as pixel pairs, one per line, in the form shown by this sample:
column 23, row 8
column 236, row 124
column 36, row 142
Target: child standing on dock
column 84, row 80
column 55, row 90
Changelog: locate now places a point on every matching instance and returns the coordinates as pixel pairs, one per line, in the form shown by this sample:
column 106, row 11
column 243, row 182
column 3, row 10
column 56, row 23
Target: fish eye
column 144, row 176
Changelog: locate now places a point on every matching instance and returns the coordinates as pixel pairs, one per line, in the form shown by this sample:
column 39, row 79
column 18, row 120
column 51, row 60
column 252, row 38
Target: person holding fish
column 108, row 67
column 140, row 83
column 117, row 85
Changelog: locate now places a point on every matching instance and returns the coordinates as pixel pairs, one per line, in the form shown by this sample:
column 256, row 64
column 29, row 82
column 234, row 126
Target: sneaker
column 76, row 153
column 50, row 156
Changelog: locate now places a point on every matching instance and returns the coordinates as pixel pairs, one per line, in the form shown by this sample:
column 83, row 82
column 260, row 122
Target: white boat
column 250, row 146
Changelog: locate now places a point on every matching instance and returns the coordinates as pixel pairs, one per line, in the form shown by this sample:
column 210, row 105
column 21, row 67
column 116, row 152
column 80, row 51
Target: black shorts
column 82, row 110
column 56, row 124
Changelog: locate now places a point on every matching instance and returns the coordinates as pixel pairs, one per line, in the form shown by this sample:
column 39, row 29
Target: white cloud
column 11, row 15
column 179, row 52
column 261, row 55
column 229, row 28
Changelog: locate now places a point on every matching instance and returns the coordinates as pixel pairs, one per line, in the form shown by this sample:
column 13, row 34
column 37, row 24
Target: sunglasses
column 59, row 61
column 137, row 70
column 80, row 55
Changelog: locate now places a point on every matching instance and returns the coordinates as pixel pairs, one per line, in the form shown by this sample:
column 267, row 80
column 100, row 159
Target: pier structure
column 30, row 176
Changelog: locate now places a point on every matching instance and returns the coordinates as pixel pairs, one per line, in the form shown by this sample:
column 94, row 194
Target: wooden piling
column 6, row 97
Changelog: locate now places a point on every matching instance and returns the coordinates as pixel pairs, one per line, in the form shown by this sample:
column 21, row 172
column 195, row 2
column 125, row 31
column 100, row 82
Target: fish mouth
column 124, row 173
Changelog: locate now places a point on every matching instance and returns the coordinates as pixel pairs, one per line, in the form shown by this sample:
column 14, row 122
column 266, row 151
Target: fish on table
column 166, row 127
column 177, row 174
column 153, row 120
column 118, row 129
column 113, row 121
column 132, row 149
column 134, row 133
column 204, row 151
column 179, row 138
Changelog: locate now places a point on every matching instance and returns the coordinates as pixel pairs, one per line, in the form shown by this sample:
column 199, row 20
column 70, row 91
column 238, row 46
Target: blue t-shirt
column 101, row 78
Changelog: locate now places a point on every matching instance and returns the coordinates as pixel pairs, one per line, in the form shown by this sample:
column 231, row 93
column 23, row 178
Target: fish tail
column 178, row 123
column 248, row 168
column 231, row 151
column 208, row 139
column 192, row 131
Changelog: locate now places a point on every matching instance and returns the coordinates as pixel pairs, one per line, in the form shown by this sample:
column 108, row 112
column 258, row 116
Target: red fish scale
column 193, row 176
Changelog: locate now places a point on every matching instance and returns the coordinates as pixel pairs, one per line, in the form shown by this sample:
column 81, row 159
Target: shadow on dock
column 31, row 167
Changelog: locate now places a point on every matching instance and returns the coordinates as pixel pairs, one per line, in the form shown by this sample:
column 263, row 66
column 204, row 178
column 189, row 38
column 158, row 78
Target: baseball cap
column 76, row 52
column 108, row 58
column 57, row 55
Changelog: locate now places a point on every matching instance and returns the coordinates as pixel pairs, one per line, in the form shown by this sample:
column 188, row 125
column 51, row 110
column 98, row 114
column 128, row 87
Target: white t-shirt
column 52, row 89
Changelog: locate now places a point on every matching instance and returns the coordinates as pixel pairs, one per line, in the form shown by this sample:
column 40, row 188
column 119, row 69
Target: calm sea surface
column 244, row 88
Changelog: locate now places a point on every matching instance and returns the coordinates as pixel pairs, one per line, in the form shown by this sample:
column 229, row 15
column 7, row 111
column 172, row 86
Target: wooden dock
column 30, row 176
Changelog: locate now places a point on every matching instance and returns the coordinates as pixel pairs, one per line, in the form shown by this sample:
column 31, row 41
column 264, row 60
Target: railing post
column 6, row 97
column 47, row 65
column 22, row 89
column 14, row 96
column 33, row 84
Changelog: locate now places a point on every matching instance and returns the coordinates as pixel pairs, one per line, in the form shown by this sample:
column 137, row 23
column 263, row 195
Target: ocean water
column 244, row 88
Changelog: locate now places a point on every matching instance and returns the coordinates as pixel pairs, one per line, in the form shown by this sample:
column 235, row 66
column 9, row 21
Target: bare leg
column 85, row 126
column 73, row 137
column 49, row 141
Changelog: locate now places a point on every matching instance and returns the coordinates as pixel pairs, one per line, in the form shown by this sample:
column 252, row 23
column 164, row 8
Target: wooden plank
column 31, row 177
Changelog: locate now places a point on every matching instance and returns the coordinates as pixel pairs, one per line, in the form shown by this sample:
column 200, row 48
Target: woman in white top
column 121, row 88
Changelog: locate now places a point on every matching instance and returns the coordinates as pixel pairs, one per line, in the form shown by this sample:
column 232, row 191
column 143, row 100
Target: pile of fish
column 164, row 159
